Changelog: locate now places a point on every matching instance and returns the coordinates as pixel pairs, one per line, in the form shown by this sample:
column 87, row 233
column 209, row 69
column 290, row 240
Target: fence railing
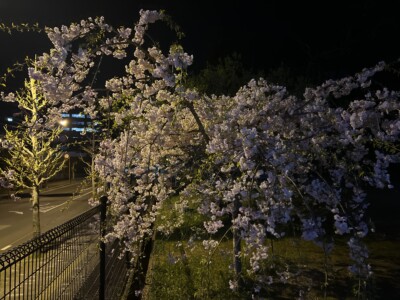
column 66, row 262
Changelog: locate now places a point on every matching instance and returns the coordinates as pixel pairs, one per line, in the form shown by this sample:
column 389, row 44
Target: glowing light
column 63, row 122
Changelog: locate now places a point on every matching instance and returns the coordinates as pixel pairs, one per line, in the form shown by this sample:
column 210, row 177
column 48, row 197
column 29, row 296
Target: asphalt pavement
column 60, row 201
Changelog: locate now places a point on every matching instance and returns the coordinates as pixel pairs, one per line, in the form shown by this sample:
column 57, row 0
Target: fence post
column 102, row 248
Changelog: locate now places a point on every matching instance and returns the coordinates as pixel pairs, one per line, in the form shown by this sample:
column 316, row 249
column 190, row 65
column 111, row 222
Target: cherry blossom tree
column 262, row 159
column 279, row 159
column 151, row 128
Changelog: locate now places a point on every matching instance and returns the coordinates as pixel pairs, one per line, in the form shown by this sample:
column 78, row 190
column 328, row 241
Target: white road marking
column 50, row 208
column 16, row 212
column 58, row 187
column 80, row 196
column 4, row 226
column 6, row 247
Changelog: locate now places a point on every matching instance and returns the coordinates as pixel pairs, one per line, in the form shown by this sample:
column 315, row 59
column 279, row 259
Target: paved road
column 60, row 202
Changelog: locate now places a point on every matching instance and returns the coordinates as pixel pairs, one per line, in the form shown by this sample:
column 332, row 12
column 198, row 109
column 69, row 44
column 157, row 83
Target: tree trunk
column 35, row 211
column 237, row 261
column 142, row 268
column 94, row 184
column 143, row 261
column 236, row 251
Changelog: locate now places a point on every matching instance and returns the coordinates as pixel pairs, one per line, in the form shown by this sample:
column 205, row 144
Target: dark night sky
column 338, row 37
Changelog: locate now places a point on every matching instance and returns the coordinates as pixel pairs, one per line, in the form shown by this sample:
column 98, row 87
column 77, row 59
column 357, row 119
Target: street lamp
column 63, row 122
column 67, row 156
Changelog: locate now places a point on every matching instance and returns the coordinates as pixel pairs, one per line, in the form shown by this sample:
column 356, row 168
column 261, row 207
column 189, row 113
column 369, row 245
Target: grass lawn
column 178, row 271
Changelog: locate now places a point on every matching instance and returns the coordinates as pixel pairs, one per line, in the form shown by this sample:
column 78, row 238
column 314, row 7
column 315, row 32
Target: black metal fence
column 66, row 262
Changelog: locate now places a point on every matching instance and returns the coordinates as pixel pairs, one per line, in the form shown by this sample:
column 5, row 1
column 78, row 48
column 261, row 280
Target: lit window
column 78, row 116
column 77, row 123
column 9, row 119
column 77, row 129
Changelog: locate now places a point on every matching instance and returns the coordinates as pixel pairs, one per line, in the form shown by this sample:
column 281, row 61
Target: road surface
column 60, row 202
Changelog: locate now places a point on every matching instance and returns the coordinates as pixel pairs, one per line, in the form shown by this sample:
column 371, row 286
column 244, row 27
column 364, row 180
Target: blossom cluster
column 284, row 158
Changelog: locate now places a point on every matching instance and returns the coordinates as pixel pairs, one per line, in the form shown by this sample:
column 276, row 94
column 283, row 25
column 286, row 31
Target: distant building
column 5, row 120
column 7, row 112
column 77, row 135
column 75, row 124
column 72, row 139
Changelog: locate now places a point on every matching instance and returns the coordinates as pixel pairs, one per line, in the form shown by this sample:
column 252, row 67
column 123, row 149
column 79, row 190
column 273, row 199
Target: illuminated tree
column 34, row 150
